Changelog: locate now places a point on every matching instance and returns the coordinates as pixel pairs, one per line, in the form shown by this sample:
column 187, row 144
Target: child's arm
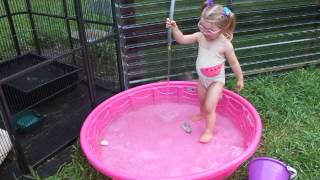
column 179, row 36
column 234, row 63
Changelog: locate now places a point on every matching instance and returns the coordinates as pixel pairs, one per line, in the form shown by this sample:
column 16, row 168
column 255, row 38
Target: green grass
column 289, row 108
column 77, row 169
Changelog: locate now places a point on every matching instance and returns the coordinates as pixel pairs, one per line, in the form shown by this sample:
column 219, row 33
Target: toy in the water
column 186, row 127
column 104, row 143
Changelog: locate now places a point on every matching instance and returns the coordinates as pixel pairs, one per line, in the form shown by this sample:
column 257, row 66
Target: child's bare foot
column 197, row 117
column 206, row 137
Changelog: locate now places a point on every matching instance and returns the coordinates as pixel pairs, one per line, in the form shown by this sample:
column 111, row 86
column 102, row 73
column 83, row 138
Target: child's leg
column 210, row 105
column 202, row 91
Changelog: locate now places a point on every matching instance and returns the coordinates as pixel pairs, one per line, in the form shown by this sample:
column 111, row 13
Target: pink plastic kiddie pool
column 138, row 134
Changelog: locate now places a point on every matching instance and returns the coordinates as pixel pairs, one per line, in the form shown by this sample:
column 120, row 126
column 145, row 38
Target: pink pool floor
column 149, row 142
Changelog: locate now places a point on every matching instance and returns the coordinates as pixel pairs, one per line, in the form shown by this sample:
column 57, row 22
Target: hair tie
column 226, row 11
column 210, row 2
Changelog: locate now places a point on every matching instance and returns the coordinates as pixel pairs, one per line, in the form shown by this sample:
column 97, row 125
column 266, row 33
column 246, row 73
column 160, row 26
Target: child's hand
column 240, row 85
column 171, row 23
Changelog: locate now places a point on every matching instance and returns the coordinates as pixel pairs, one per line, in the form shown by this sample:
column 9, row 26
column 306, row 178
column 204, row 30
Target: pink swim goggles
column 208, row 31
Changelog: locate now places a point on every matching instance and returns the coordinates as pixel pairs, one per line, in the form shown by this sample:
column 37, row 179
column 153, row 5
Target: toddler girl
column 216, row 26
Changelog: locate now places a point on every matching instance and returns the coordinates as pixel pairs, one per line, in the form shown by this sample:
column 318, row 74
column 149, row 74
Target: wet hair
column 216, row 14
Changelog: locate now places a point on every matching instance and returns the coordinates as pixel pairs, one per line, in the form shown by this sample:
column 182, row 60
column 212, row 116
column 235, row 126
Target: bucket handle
column 293, row 172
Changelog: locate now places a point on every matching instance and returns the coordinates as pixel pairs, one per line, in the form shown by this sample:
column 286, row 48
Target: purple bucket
column 265, row 168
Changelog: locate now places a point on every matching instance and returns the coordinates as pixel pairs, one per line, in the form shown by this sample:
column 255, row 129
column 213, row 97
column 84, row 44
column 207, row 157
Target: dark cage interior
column 58, row 60
column 38, row 84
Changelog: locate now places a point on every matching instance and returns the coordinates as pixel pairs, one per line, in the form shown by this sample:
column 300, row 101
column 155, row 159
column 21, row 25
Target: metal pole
column 318, row 12
column 33, row 26
column 12, row 28
column 124, row 84
column 171, row 12
column 66, row 16
column 86, row 53
column 6, row 117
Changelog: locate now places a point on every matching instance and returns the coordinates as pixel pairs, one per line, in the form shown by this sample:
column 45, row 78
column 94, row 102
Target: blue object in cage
column 28, row 120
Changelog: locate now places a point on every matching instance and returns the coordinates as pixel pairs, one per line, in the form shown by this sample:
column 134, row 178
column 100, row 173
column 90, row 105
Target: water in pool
column 150, row 142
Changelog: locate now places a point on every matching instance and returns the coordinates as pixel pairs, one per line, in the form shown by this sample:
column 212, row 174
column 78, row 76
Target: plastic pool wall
column 240, row 111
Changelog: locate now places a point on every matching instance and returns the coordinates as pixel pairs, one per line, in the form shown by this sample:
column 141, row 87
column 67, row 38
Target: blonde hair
column 215, row 14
